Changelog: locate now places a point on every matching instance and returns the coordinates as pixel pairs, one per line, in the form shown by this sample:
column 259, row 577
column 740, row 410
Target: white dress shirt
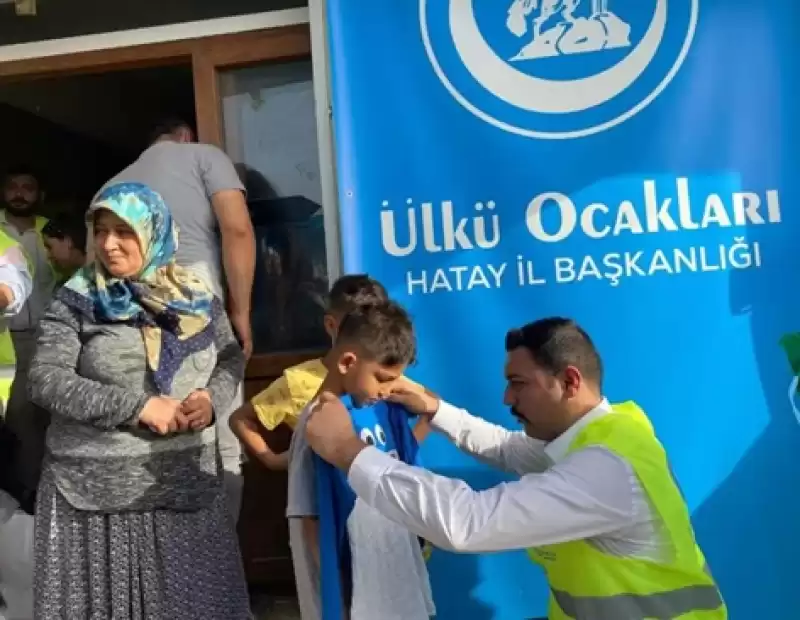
column 589, row 494
column 15, row 275
column 44, row 280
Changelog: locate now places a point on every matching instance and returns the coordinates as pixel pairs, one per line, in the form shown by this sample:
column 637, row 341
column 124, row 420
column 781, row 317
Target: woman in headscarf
column 134, row 359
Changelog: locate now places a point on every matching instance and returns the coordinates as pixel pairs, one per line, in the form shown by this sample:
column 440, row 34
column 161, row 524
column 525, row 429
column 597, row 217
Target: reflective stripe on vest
column 673, row 604
column 6, row 381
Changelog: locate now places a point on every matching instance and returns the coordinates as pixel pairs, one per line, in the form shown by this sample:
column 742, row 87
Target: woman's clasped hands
column 164, row 415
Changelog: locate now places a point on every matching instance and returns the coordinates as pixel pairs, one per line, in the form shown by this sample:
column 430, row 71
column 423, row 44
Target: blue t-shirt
column 385, row 426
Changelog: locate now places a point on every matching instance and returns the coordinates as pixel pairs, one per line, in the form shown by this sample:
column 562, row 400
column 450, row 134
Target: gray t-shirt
column 187, row 176
column 390, row 579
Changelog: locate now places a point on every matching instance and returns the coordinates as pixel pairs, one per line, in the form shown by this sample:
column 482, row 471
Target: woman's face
column 116, row 245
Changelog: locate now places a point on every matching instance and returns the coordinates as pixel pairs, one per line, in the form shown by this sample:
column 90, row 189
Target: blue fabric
column 385, row 426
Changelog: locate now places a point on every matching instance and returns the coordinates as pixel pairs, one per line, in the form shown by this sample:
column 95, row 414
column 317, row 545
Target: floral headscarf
column 169, row 304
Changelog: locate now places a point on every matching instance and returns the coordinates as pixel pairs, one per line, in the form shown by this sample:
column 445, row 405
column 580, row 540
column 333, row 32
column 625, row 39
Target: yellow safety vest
column 587, row 583
column 8, row 360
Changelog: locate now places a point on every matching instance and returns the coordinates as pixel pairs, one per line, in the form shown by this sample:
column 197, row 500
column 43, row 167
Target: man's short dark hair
column 20, row 170
column 383, row 330
column 555, row 343
column 168, row 127
column 354, row 290
column 63, row 226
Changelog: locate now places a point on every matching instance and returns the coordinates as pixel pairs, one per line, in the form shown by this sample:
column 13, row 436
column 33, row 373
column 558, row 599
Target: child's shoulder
column 312, row 368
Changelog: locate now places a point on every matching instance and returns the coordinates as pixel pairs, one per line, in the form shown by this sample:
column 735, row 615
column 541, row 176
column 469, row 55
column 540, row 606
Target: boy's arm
column 267, row 409
column 245, row 424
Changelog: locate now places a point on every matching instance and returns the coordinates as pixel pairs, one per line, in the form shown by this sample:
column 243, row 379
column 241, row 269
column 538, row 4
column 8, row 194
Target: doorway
column 77, row 131
column 250, row 94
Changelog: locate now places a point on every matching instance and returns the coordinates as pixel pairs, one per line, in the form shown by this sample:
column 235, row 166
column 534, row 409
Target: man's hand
column 198, row 409
column 241, row 325
column 162, row 415
column 330, row 432
column 414, row 397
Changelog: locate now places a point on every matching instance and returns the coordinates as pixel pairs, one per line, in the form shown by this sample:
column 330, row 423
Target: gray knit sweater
column 93, row 379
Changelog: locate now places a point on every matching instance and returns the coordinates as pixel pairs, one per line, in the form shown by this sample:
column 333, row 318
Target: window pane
column 270, row 132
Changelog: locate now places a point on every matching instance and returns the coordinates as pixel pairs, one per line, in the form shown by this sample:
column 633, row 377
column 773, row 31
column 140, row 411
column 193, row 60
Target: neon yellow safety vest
column 8, row 360
column 587, row 583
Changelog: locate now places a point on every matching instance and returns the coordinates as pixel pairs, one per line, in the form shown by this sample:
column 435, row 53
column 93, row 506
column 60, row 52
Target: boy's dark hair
column 63, row 226
column 555, row 343
column 354, row 290
column 383, row 330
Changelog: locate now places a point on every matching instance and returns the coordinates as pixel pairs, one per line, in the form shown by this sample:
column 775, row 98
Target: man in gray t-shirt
column 390, row 579
column 207, row 200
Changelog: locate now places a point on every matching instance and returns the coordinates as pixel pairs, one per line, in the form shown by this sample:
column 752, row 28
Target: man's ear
column 572, row 381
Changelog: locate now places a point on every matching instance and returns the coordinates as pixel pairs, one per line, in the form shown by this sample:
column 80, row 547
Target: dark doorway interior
column 80, row 130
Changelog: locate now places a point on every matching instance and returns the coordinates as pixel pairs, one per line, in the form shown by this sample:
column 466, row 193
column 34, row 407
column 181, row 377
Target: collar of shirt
column 559, row 447
column 13, row 230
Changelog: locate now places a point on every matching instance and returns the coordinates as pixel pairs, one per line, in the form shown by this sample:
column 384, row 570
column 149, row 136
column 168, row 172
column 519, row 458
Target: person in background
column 596, row 505
column 65, row 240
column 207, row 199
column 23, row 197
column 16, row 522
column 135, row 358
column 286, row 397
column 345, row 554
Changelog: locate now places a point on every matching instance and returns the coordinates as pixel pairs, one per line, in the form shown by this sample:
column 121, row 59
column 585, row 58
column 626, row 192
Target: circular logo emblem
column 556, row 69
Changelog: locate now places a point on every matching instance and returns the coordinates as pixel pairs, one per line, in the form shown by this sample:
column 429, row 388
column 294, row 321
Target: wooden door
column 254, row 99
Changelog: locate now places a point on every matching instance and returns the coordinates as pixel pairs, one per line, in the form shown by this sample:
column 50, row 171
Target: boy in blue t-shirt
column 350, row 561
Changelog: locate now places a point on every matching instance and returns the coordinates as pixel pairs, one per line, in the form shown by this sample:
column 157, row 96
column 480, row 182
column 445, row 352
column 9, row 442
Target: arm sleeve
column 588, row 494
column 55, row 384
column 16, row 275
column 229, row 370
column 218, row 172
column 274, row 404
column 490, row 443
column 301, row 495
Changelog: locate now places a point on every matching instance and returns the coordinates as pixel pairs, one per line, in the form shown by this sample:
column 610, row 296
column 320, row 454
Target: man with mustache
column 596, row 504
column 22, row 198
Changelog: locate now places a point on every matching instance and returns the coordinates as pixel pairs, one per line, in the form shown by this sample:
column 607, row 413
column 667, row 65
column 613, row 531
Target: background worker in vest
column 596, row 504
column 20, row 219
column 16, row 525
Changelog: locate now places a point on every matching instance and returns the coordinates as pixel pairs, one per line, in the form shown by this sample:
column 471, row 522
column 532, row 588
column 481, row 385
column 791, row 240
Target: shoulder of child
column 325, row 400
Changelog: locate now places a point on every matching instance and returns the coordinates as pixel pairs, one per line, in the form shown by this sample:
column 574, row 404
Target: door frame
column 209, row 46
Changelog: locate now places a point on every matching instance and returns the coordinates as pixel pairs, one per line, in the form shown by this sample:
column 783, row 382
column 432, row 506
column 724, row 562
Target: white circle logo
column 556, row 69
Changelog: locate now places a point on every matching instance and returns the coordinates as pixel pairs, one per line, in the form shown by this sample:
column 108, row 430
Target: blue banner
column 632, row 164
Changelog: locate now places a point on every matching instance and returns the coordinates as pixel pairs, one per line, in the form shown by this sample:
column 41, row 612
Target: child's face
column 59, row 251
column 365, row 380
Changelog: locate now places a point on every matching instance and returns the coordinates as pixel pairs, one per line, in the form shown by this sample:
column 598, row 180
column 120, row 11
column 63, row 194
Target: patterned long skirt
column 159, row 565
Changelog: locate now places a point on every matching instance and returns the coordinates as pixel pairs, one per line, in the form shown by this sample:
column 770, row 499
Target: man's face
column 21, row 194
column 365, row 380
column 59, row 251
column 537, row 397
